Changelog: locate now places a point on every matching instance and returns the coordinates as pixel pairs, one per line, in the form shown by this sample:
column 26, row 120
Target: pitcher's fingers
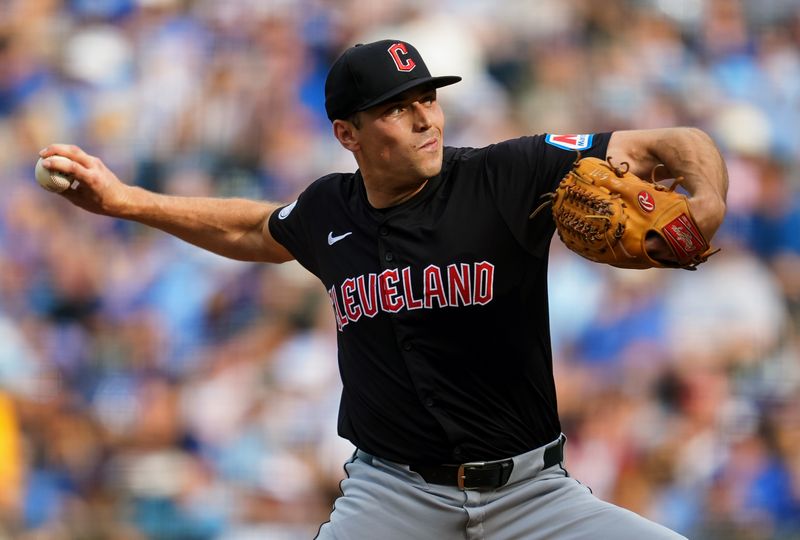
column 71, row 151
column 66, row 166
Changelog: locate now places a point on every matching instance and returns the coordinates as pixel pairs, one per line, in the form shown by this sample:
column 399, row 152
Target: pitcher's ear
column 346, row 133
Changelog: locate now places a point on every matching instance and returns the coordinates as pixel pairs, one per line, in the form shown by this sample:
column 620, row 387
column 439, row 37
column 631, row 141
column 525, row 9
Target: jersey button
column 407, row 346
column 389, row 257
column 429, row 402
column 383, row 231
column 457, row 451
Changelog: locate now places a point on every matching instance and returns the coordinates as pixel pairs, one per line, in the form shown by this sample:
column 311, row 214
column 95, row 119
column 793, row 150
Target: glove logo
column 646, row 201
column 683, row 236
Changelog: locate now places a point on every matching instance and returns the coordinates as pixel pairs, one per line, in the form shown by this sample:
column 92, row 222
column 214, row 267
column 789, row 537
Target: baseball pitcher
column 435, row 261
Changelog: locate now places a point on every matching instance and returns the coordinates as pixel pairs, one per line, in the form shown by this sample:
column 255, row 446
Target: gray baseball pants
column 382, row 500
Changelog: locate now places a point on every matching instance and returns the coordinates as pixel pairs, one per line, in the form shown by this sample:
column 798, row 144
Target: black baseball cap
column 368, row 74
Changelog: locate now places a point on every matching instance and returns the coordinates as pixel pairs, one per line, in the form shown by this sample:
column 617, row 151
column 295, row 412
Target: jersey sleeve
column 289, row 225
column 520, row 171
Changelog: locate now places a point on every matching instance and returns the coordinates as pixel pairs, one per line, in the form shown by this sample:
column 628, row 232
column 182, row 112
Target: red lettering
column 368, row 294
column 484, row 283
column 390, row 301
column 411, row 302
column 392, row 290
column 341, row 321
column 352, row 310
column 459, row 284
column 434, row 288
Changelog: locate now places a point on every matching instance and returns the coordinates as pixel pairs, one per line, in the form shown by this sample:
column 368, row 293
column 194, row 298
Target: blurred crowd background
column 151, row 390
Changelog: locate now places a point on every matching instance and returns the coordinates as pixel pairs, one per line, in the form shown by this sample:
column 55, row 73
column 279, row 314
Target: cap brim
column 435, row 82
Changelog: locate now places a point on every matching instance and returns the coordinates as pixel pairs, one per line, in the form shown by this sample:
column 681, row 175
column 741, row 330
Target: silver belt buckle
column 462, row 473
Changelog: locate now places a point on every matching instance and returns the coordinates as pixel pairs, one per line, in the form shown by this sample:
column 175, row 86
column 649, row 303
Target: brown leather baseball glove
column 606, row 214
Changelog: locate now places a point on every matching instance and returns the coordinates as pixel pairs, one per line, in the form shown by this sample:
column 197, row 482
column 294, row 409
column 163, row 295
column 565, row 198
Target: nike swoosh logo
column 285, row 211
column 333, row 239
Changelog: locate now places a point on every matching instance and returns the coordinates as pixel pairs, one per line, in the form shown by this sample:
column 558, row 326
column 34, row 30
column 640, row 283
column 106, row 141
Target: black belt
column 482, row 474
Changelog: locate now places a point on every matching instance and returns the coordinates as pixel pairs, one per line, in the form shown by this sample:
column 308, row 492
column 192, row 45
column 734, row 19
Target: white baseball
column 52, row 180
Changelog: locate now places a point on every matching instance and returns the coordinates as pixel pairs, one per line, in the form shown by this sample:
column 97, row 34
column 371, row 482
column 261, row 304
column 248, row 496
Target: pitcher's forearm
column 234, row 228
column 691, row 155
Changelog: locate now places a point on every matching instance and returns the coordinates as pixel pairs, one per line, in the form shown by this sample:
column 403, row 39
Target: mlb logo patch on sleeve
column 570, row 142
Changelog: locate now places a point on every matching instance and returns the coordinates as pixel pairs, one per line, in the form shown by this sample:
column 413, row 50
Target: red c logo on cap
column 402, row 64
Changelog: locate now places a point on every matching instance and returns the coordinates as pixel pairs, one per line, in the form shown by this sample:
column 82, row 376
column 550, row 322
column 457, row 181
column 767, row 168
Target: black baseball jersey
column 441, row 302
